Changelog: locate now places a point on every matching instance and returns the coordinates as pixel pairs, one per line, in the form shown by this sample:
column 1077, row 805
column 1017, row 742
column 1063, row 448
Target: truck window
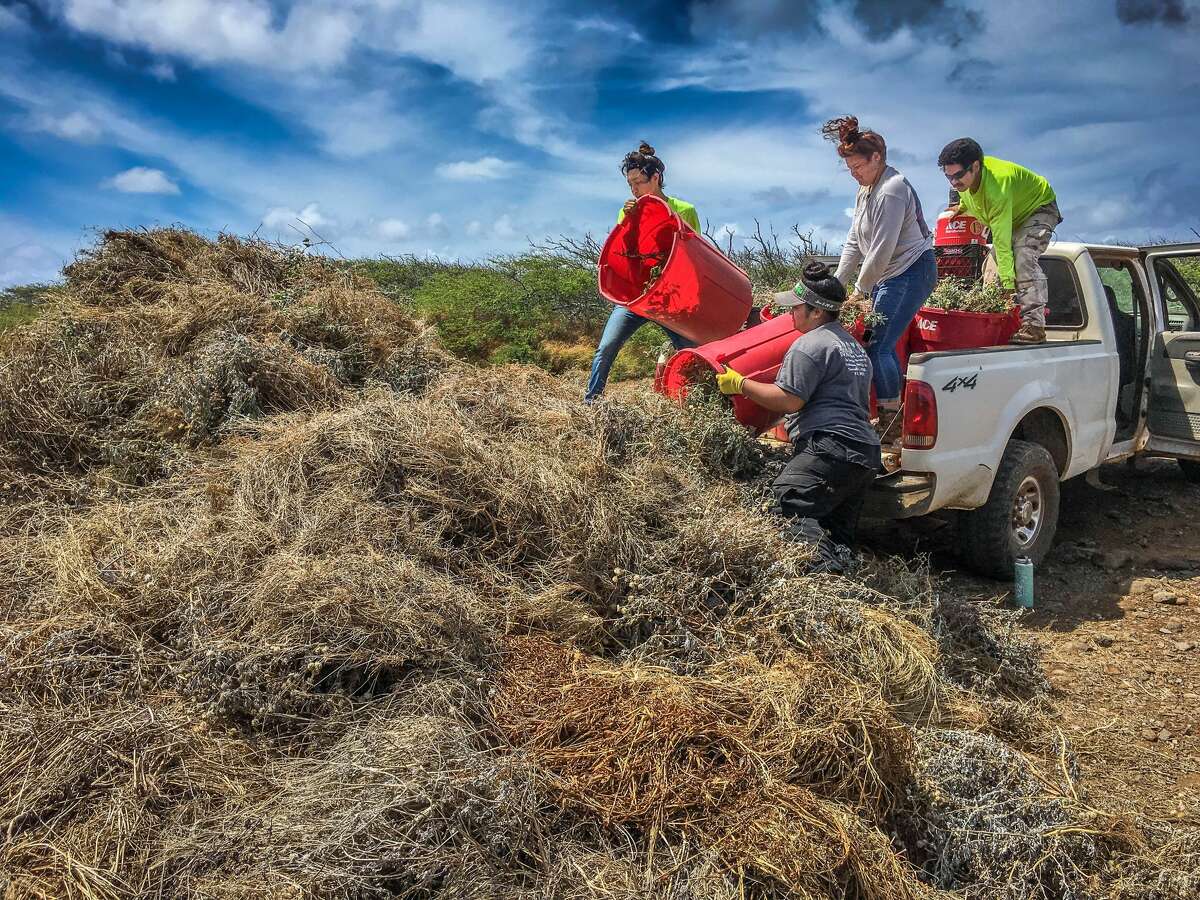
column 1064, row 308
column 1179, row 284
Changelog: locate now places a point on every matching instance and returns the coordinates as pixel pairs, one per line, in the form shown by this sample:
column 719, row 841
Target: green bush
column 23, row 303
column 17, row 314
column 399, row 277
column 504, row 311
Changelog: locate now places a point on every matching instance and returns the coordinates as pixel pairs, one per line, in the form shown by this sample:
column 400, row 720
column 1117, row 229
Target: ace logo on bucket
column 926, row 324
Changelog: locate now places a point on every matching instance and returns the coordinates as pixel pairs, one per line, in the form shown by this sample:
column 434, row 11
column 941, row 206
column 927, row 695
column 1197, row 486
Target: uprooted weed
column 418, row 629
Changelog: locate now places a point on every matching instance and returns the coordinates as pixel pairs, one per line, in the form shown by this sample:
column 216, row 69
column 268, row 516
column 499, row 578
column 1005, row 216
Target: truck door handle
column 1192, row 358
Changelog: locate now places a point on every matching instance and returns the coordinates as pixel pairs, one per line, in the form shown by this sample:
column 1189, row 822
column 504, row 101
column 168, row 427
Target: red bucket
column 936, row 329
column 756, row 353
column 697, row 293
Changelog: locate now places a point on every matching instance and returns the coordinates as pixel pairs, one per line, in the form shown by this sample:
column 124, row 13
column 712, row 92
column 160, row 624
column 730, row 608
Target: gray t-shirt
column 829, row 370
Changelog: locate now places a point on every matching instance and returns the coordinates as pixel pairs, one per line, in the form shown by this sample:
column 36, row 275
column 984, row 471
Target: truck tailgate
column 983, row 395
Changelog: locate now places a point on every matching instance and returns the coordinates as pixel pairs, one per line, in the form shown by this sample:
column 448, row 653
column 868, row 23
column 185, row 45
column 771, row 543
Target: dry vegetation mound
column 365, row 622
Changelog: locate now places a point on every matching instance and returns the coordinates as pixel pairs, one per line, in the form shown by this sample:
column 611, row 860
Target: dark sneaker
column 1029, row 333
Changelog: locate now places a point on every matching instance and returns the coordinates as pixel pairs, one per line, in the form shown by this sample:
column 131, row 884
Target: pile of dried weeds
column 159, row 339
column 373, row 623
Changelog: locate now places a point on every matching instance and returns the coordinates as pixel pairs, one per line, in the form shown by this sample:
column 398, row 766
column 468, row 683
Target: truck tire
column 1020, row 516
column 1190, row 469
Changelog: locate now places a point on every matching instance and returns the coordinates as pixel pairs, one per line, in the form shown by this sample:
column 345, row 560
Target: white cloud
column 313, row 34
column 162, row 71
column 392, row 230
column 503, row 228
column 487, row 168
column 479, row 41
column 435, row 226
column 31, row 254
column 10, row 21
column 141, row 180
column 474, row 228
column 281, row 218
column 353, row 123
column 72, row 126
column 609, row 27
column 728, row 229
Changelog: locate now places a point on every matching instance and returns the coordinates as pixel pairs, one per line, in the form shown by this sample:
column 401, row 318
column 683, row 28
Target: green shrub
column 23, row 303
column 399, row 277
column 506, row 310
column 481, row 314
column 17, row 314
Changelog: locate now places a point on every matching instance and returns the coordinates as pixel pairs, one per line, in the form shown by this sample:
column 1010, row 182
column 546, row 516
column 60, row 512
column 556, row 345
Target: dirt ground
column 1118, row 611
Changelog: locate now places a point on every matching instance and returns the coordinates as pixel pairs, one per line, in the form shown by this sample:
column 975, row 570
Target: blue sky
column 465, row 129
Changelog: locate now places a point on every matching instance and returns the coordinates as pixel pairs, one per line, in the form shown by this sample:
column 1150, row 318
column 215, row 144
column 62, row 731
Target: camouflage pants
column 1029, row 242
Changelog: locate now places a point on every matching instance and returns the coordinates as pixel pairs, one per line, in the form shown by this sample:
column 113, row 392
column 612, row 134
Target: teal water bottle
column 1023, row 582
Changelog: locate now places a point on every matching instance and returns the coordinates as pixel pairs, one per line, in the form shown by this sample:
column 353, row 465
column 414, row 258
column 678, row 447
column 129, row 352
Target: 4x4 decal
column 961, row 381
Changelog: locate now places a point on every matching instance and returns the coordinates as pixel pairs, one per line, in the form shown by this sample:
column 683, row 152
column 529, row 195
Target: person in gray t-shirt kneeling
column 824, row 388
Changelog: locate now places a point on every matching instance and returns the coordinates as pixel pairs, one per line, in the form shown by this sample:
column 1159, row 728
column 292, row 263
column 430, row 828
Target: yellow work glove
column 730, row 382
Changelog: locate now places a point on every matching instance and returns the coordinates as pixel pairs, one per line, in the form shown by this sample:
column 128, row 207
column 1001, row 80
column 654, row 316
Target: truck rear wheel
column 1020, row 516
column 1190, row 469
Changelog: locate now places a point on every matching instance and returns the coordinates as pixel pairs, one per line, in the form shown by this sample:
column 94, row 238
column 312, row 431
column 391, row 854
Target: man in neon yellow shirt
column 643, row 172
column 1020, row 208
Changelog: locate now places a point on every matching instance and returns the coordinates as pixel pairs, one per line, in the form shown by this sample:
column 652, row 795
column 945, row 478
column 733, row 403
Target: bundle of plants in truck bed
column 293, row 604
column 962, row 295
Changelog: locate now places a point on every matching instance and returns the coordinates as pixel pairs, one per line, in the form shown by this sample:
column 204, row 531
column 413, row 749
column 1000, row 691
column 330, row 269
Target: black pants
column 821, row 493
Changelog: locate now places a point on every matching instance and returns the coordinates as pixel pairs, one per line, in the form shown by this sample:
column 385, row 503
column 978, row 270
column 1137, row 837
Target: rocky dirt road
column 1118, row 611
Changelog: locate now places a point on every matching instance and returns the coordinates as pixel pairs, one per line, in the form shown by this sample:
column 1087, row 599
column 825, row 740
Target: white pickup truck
column 993, row 431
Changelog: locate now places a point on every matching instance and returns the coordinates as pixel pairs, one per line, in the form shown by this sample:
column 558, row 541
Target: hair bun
column 816, row 271
column 818, row 279
column 848, row 130
column 645, row 149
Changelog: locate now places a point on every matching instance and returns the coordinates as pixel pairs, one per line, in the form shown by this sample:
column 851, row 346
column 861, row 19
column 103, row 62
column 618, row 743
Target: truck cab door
column 1174, row 360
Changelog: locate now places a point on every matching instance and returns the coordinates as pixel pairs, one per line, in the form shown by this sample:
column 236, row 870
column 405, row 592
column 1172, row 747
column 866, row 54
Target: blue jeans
column 898, row 300
column 619, row 329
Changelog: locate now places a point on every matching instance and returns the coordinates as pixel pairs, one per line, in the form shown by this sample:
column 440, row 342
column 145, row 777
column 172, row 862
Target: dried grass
column 294, row 605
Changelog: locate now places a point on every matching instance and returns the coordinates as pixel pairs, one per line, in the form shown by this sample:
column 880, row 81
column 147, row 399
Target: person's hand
column 729, row 381
column 629, row 204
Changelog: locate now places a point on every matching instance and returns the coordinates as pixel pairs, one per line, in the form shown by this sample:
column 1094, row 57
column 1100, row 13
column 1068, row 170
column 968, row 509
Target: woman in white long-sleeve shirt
column 889, row 246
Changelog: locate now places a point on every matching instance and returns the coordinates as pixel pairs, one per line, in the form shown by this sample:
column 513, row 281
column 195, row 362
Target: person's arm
column 1001, row 225
column 793, row 385
column 850, row 260
column 692, row 218
column 885, row 232
column 772, row 397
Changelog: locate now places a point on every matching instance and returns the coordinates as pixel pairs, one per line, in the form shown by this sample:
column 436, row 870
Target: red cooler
column 656, row 266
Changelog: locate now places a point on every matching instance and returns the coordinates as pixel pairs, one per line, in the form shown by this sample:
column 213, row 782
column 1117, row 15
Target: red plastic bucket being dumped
column 656, row 266
column 756, row 352
column 936, row 329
